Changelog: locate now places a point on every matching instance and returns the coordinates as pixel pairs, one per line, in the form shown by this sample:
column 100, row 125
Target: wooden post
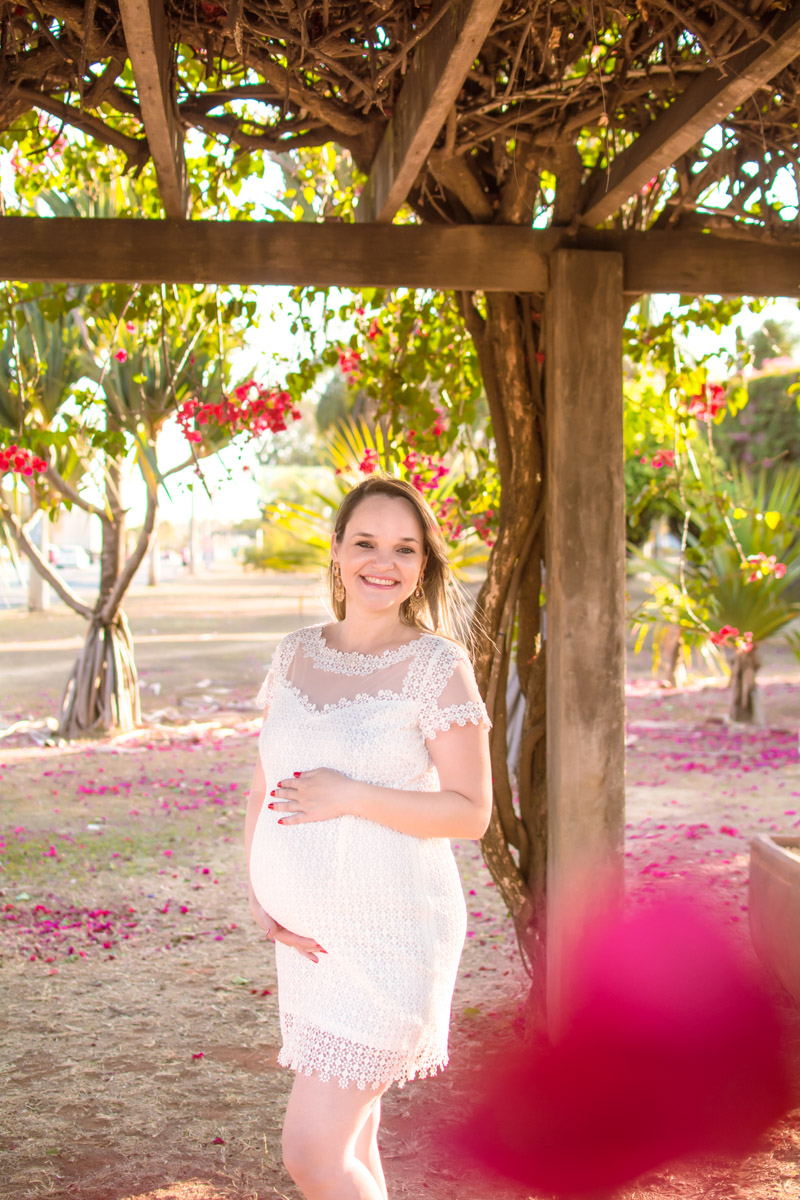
column 585, row 603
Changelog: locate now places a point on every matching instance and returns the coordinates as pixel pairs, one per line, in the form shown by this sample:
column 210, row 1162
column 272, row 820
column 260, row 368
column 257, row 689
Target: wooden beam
column 700, row 264
column 585, row 637
column 704, row 103
column 252, row 252
column 149, row 49
column 439, row 66
column 472, row 257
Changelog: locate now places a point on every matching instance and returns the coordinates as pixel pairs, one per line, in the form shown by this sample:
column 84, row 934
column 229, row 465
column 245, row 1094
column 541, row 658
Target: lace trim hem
column 439, row 721
column 311, row 1051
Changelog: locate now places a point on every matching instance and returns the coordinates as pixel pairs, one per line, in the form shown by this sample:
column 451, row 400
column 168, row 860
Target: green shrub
column 767, row 429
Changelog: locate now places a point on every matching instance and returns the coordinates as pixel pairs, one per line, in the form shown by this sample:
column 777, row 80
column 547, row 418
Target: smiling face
column 381, row 554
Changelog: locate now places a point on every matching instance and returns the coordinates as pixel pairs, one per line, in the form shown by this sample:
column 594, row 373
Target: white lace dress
column 387, row 907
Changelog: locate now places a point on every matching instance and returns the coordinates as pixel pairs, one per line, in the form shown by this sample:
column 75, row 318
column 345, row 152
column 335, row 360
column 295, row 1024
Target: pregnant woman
column 373, row 753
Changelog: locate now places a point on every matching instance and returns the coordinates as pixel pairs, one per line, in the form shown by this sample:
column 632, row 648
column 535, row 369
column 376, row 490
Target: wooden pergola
column 415, row 110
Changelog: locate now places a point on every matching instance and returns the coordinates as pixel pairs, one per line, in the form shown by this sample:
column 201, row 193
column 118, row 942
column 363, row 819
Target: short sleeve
column 277, row 668
column 451, row 695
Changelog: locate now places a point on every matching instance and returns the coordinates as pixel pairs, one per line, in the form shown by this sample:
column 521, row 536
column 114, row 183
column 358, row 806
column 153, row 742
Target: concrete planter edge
column 774, row 906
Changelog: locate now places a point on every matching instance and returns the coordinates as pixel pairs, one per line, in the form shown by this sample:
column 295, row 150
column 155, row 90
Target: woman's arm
column 461, row 808
column 255, row 800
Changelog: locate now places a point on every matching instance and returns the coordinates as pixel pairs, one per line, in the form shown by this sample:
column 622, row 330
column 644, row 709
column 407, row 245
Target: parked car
column 69, row 556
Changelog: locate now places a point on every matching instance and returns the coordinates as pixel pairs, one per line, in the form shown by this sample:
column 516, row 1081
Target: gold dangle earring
column 417, row 597
column 338, row 587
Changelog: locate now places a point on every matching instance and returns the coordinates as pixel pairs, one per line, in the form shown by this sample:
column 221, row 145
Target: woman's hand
column 316, row 795
column 305, row 946
column 260, row 914
column 276, row 933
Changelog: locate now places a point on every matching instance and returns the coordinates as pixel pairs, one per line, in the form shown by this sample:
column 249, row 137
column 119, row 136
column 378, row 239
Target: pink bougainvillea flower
column 672, row 1047
column 15, row 459
column 706, row 404
column 253, row 409
column 121, row 356
column 761, row 566
column 129, row 325
column 729, row 633
column 349, row 362
column 369, row 462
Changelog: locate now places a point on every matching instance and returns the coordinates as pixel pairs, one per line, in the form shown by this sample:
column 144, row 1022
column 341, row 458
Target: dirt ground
column 140, row 1008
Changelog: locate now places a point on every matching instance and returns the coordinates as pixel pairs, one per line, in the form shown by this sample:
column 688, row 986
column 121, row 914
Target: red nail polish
column 272, row 793
column 280, row 820
column 270, row 806
column 297, row 774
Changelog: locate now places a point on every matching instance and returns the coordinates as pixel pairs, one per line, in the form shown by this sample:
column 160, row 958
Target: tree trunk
column 193, row 537
column 152, row 561
column 102, row 692
column 38, row 591
column 670, row 648
column 745, row 703
column 112, row 554
column 515, row 845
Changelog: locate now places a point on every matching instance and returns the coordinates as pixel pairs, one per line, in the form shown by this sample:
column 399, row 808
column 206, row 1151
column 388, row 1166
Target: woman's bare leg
column 367, row 1150
column 320, row 1136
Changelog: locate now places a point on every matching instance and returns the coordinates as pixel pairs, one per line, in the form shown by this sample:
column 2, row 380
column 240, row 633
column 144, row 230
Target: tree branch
column 39, row 563
column 69, row 493
column 136, row 149
column 127, row 573
column 458, row 174
column 229, row 127
column 180, row 467
column 518, row 194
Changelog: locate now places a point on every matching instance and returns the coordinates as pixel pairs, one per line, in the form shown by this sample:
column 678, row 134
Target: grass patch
column 29, row 857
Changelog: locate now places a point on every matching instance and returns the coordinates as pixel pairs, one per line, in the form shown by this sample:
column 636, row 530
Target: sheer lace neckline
column 353, row 661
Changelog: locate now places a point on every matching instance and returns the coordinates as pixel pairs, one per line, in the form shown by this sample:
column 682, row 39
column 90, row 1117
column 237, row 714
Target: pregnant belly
column 318, row 877
column 292, row 870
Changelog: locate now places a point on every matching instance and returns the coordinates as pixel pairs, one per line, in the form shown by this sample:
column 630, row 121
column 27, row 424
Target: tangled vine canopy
column 555, row 94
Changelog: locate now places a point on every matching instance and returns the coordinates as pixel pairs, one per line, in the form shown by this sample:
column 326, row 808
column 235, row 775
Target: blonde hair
column 443, row 608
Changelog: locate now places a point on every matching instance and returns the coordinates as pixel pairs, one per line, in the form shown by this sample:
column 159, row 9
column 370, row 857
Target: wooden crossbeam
column 148, row 43
column 253, row 252
column 705, row 102
column 440, row 64
column 459, row 258
column 699, row 264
